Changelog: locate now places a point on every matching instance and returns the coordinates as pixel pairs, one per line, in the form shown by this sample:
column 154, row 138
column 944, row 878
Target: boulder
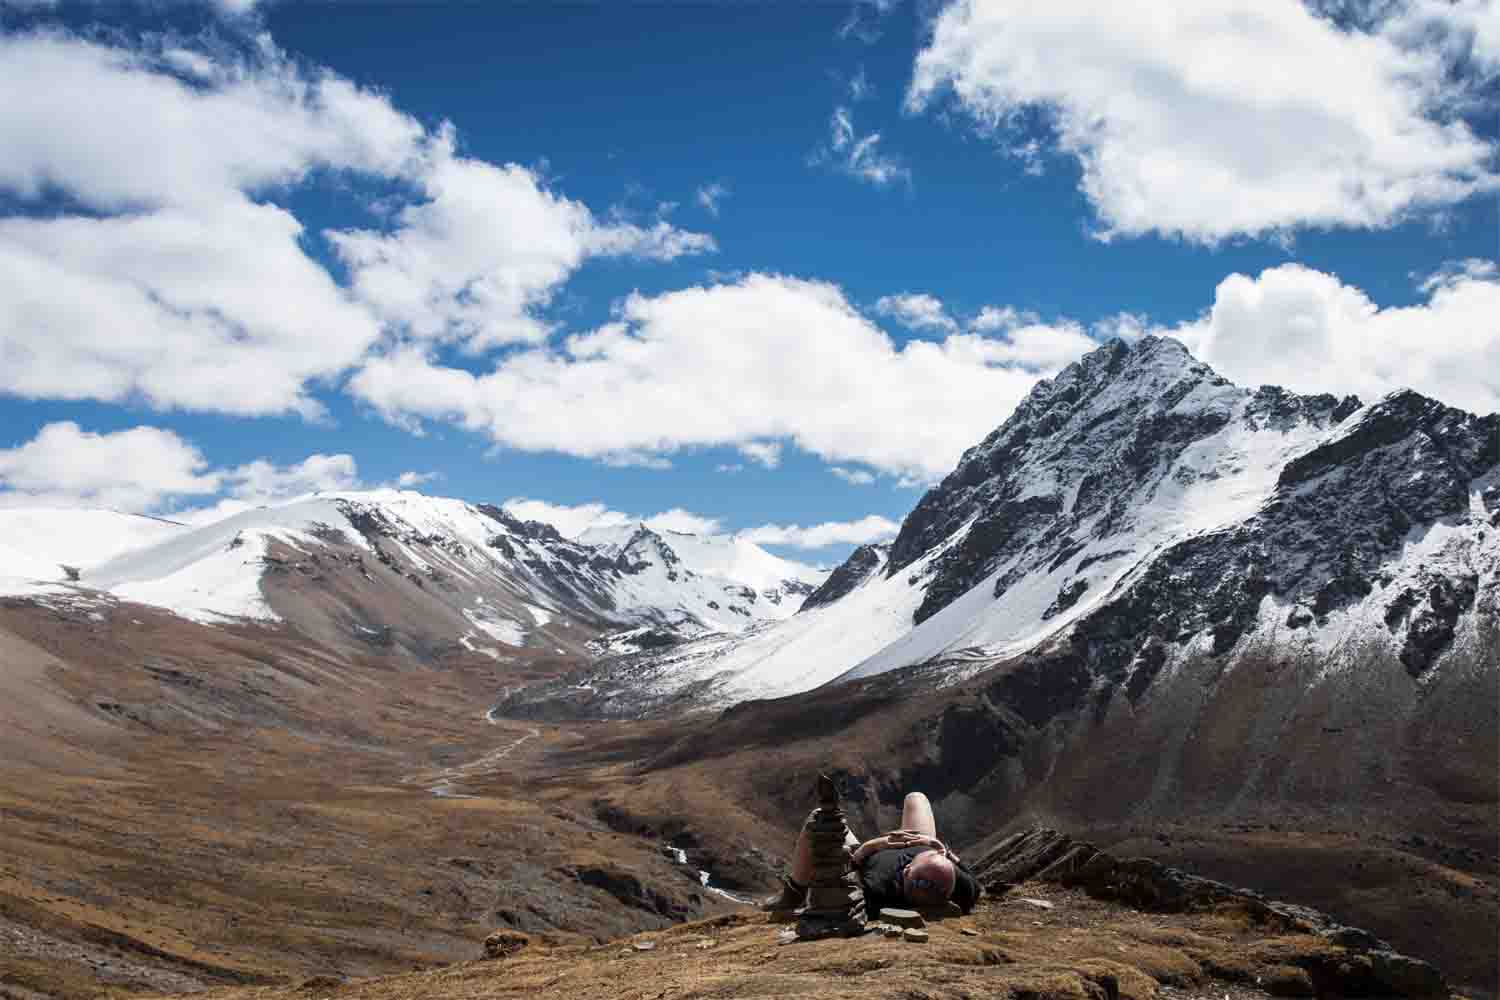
column 1358, row 964
column 505, row 943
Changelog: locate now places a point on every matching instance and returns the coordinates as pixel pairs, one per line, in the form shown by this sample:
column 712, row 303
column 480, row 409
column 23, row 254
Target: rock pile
column 1370, row 967
column 835, row 899
column 505, row 943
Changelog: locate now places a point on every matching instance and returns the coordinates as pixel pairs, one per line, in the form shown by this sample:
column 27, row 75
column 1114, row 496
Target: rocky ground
column 1040, row 941
column 185, row 808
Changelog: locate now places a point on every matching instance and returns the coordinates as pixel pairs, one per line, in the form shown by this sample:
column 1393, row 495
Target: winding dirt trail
column 444, row 784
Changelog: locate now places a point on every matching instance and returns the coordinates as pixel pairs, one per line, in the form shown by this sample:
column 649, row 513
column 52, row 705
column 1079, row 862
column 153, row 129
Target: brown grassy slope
column 1254, row 775
column 1070, row 947
column 190, row 805
column 185, row 806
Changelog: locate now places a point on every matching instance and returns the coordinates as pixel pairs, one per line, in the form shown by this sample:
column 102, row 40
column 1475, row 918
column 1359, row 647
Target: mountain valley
column 1248, row 632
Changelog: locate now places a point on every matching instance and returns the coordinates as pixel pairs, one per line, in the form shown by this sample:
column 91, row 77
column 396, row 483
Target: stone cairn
column 835, row 900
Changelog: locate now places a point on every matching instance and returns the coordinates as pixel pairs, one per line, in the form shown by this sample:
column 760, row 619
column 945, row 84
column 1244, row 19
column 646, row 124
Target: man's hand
column 911, row 838
column 898, row 840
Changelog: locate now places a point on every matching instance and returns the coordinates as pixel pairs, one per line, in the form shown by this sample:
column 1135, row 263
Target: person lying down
column 905, row 867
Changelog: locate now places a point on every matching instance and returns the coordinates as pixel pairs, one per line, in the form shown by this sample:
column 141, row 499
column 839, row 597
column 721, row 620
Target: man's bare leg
column 916, row 815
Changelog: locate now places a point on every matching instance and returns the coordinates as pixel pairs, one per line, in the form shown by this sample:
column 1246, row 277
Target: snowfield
column 1216, row 482
column 723, row 556
column 1136, row 471
column 36, row 542
column 212, row 573
column 1138, row 489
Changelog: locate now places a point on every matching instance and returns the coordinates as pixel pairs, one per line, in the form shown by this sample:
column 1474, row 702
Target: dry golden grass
column 1081, row 949
column 266, row 818
column 233, row 827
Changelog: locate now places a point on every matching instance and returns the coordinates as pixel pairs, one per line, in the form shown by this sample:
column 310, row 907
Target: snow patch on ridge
column 212, row 574
column 37, row 542
column 504, row 630
column 1217, row 481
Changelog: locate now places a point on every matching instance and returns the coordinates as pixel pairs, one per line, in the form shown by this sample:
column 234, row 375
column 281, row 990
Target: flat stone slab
column 901, row 918
column 914, row 935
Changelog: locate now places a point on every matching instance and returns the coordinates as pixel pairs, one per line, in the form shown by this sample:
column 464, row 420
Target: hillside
column 1061, row 922
column 398, row 566
column 1261, row 627
column 1249, row 633
column 1144, row 509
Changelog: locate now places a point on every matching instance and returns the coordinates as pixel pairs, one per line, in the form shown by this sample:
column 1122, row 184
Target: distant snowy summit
column 387, row 564
column 1136, row 512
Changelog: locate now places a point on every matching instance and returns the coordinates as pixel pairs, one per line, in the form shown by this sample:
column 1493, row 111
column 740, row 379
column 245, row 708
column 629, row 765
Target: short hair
column 929, row 879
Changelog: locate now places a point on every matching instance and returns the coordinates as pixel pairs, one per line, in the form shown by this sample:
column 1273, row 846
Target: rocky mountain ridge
column 1139, row 509
column 366, row 566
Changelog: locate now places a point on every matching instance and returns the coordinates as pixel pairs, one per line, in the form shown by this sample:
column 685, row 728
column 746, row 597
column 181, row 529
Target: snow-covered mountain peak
column 1140, row 507
column 468, row 553
column 729, row 557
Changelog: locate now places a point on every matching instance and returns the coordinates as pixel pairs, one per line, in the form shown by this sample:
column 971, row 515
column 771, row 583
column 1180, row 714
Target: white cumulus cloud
column 411, row 479
column 487, row 246
column 1309, row 332
column 145, row 468
column 1223, row 117
column 161, row 290
column 765, row 453
column 788, row 359
column 872, row 528
column 131, row 470
column 854, row 477
column 685, row 522
column 572, row 520
column 261, row 481
column 916, row 311
column 173, row 277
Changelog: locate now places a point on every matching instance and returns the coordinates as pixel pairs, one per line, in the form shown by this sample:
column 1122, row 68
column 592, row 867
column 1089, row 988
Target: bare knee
column 916, row 815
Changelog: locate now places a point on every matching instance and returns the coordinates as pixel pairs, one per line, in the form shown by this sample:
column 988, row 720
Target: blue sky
column 772, row 265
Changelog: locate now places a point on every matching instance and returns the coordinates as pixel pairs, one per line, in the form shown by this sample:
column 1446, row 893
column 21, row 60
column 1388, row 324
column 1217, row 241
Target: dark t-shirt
column 880, row 875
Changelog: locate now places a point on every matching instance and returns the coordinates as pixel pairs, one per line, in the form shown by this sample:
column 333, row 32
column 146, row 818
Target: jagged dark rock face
column 862, row 563
column 1096, row 431
column 632, row 558
column 573, row 574
column 1087, row 452
column 1363, row 965
column 538, row 530
column 1433, row 628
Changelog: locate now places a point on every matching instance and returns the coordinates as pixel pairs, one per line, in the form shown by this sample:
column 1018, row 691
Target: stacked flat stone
column 900, row 917
column 835, row 900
